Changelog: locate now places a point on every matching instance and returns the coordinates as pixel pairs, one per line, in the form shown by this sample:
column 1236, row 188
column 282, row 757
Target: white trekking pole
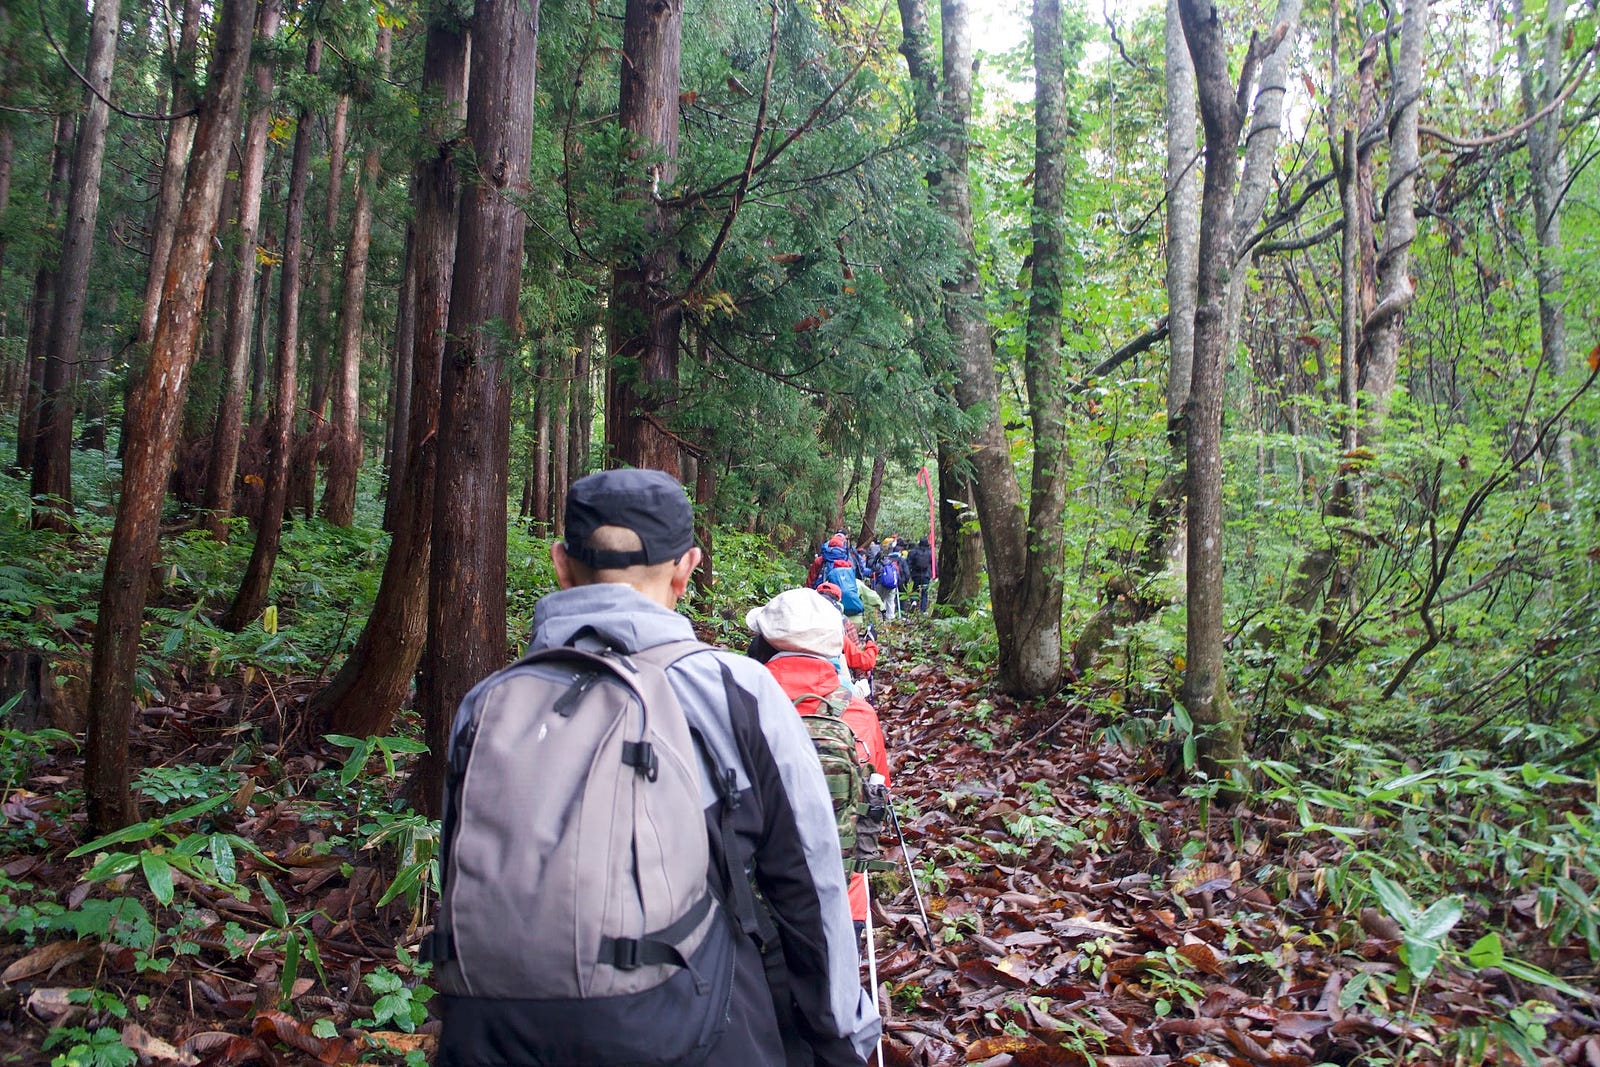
column 872, row 971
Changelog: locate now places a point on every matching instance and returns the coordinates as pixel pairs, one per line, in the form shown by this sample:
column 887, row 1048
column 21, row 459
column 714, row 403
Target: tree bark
column 52, row 467
column 1183, row 214
column 257, row 582
column 175, row 159
column 44, row 290
column 869, row 512
column 1384, row 325
column 155, row 408
column 405, row 340
column 365, row 695
column 1547, row 174
column 1204, row 693
column 240, row 320
column 645, row 316
column 467, row 574
column 309, row 444
column 580, row 426
column 543, row 385
column 960, row 547
column 344, row 462
column 560, row 456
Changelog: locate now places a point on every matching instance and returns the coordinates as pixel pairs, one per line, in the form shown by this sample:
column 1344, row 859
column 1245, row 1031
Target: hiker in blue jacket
column 627, row 558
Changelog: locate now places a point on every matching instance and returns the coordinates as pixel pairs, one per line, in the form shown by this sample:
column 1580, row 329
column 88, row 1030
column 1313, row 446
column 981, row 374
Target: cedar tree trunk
column 155, row 408
column 467, row 574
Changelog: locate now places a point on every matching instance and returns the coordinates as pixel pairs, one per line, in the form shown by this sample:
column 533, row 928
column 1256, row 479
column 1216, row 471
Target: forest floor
column 1083, row 907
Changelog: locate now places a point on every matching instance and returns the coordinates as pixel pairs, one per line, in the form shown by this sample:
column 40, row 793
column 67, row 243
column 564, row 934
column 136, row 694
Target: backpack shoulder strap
column 836, row 702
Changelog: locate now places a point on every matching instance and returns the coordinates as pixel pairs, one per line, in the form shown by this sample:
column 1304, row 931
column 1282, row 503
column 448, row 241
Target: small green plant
column 101, row 1047
column 399, row 1005
column 205, row 857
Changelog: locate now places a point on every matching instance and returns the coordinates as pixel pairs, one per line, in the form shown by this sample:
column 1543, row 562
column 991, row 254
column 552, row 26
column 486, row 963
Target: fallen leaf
column 49, row 957
column 137, row 1039
column 50, row 1004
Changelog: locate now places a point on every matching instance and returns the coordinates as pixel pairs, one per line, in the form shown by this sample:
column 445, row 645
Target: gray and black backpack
column 583, row 919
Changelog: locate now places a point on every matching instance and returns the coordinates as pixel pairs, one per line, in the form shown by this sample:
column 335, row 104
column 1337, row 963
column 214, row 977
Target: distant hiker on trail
column 920, row 564
column 887, row 581
column 804, row 631
column 859, row 654
column 555, row 944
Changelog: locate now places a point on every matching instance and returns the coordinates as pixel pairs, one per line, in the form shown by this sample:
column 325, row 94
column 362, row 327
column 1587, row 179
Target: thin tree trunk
column 257, row 582
column 344, row 462
column 327, row 330
column 6, row 156
column 1547, row 173
column 1384, row 325
column 405, row 338
column 705, row 521
column 52, row 467
column 260, row 349
column 44, row 289
column 1204, row 693
column 560, row 430
column 241, row 293
column 869, row 513
column 364, row 696
column 543, row 385
column 151, row 428
column 175, row 160
column 467, row 577
column 645, row 320
column 581, row 416
column 1183, row 215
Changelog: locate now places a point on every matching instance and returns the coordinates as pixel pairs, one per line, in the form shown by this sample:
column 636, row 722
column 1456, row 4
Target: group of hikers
column 655, row 851
column 871, row 578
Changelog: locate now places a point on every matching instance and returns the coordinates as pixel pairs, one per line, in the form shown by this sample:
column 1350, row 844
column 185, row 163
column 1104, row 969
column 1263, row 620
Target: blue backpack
column 888, row 576
column 844, row 576
column 832, row 556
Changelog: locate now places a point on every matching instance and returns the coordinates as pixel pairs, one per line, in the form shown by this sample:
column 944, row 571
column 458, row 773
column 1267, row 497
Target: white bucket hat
column 799, row 620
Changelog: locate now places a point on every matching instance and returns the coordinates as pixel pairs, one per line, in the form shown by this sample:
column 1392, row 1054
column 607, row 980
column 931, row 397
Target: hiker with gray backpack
column 612, row 800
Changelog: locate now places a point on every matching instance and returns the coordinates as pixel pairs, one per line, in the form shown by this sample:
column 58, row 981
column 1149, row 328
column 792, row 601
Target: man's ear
column 684, row 570
column 563, row 563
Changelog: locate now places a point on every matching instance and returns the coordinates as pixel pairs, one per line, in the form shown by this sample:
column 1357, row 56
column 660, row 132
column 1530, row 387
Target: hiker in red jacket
column 858, row 655
column 805, row 632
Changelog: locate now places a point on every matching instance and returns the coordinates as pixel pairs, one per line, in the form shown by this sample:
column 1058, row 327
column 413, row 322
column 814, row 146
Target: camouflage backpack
column 858, row 817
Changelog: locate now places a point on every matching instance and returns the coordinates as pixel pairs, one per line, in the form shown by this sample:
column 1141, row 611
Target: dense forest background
column 1238, row 359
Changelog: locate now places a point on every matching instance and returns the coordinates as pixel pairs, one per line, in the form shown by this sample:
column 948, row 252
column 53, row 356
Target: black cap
column 650, row 503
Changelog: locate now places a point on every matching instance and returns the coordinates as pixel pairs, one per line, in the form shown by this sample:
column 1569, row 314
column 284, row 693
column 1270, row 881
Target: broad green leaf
column 1420, row 956
column 222, row 858
column 1351, row 994
column 1440, row 918
column 1487, row 951
column 158, row 872
column 1395, row 901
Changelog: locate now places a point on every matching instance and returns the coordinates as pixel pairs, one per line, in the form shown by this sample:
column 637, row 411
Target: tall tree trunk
column 260, row 352
column 175, row 160
column 645, row 319
column 467, row 577
column 544, row 384
column 405, row 341
column 7, row 155
column 1547, row 175
column 344, row 462
column 257, row 582
column 364, row 696
column 560, row 430
column 869, row 513
column 44, row 295
column 1036, row 606
column 1183, row 215
column 52, row 465
column 327, row 330
column 1205, row 694
column 241, row 292
column 580, row 429
column 155, row 408
column 705, row 522
column 1384, row 325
